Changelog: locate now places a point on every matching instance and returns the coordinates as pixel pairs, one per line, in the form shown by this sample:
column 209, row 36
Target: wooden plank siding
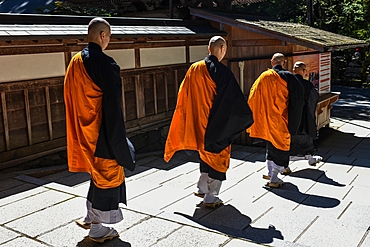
column 32, row 113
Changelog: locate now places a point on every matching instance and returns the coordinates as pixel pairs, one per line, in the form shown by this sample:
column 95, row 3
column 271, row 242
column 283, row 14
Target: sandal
column 110, row 235
column 83, row 224
column 267, row 177
column 275, row 185
column 217, row 203
column 199, row 194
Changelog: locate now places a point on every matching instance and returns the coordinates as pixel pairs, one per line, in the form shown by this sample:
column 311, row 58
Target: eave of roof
column 61, row 27
column 291, row 32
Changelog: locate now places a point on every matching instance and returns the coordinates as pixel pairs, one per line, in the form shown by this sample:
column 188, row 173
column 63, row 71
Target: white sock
column 202, row 183
column 275, row 171
column 269, row 167
column 214, row 187
column 98, row 230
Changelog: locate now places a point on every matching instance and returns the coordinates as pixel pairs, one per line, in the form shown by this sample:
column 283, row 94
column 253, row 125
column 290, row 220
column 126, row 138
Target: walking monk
column 96, row 134
column 276, row 99
column 211, row 112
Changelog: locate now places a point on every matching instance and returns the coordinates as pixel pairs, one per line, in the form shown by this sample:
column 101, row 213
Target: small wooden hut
column 154, row 55
column 252, row 41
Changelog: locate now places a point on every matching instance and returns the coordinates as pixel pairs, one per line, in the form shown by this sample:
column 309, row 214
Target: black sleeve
column 313, row 99
column 230, row 113
column 296, row 102
column 112, row 142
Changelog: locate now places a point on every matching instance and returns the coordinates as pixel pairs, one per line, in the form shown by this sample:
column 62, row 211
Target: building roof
column 19, row 27
column 287, row 31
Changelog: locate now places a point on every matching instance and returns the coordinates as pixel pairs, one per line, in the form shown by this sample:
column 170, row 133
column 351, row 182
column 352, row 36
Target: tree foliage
column 346, row 17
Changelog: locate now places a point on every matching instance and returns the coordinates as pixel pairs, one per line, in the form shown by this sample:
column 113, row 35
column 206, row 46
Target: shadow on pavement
column 291, row 192
column 230, row 221
column 315, row 175
column 116, row 242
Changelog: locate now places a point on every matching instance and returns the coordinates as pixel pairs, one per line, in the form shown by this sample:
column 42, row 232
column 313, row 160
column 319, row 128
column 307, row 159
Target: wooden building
column 154, row 55
column 252, row 41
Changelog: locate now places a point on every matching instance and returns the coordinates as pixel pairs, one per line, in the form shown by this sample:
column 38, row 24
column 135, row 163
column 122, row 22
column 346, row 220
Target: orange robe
column 268, row 100
column 190, row 119
column 83, row 101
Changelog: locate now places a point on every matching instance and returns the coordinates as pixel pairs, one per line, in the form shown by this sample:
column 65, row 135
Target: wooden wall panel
column 58, row 112
column 14, row 100
column 56, row 94
column 149, row 94
column 2, row 142
column 17, row 119
column 59, row 129
column 171, row 89
column 130, row 97
column 18, row 138
column 40, row 133
column 36, row 97
column 161, row 92
column 38, row 115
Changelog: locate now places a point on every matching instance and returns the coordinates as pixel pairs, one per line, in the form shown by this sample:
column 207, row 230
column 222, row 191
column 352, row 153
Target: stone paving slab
column 26, row 191
column 291, row 223
column 329, row 237
column 23, row 241
column 190, row 236
column 31, row 204
column 241, row 243
column 7, row 235
column 149, row 232
column 50, row 218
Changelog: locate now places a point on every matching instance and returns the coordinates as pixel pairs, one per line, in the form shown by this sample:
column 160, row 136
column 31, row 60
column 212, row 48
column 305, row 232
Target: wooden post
column 48, row 110
column 140, row 100
column 155, row 94
column 187, row 52
column 166, row 89
column 123, row 100
column 28, row 116
column 137, row 58
column 5, row 119
column 67, row 58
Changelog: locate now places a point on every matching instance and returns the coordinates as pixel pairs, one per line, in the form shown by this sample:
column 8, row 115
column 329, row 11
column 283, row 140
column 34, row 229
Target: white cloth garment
column 209, row 187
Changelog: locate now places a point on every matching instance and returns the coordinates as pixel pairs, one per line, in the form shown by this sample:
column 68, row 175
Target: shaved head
column 299, row 68
column 96, row 26
column 99, row 32
column 299, row 65
column 217, row 47
column 278, row 59
column 216, row 42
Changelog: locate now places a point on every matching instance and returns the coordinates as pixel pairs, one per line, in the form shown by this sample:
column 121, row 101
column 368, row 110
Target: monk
column 303, row 143
column 211, row 112
column 276, row 99
column 96, row 134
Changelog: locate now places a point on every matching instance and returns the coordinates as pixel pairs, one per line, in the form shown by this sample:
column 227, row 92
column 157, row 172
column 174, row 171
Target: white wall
column 31, row 66
column 198, row 52
column 162, row 56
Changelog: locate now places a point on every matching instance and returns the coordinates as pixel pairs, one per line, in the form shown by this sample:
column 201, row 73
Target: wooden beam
column 123, row 100
column 67, row 58
column 257, row 42
column 28, row 116
column 137, row 59
column 10, row 50
column 187, row 53
column 140, row 100
column 155, row 93
column 5, row 119
column 31, row 84
column 48, row 111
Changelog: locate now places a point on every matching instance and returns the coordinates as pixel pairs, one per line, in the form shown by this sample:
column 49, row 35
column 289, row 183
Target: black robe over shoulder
column 230, row 113
column 303, row 142
column 105, row 72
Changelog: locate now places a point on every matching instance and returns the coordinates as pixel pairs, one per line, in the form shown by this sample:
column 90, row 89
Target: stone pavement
column 326, row 205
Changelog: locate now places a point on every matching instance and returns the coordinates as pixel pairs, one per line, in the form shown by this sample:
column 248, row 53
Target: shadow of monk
column 115, row 242
column 315, row 175
column 230, row 221
column 291, row 192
